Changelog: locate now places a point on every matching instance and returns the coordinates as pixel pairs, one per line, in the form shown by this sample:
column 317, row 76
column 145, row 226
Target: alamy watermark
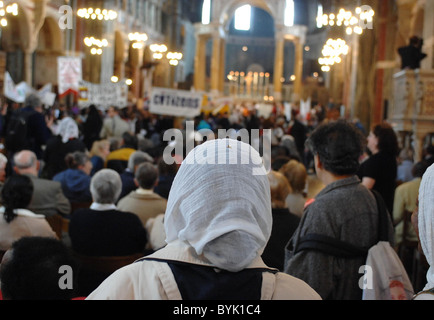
column 260, row 140
column 66, row 21
column 66, row 280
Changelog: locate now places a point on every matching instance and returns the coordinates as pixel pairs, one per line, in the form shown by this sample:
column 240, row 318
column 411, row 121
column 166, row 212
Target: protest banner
column 178, row 103
column 102, row 95
column 18, row 93
column 69, row 75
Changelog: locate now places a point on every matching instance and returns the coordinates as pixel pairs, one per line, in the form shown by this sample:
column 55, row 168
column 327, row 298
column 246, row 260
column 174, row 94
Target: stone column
column 199, row 63
column 428, row 36
column 222, row 75
column 278, row 67
column 215, row 65
column 298, row 70
column 37, row 21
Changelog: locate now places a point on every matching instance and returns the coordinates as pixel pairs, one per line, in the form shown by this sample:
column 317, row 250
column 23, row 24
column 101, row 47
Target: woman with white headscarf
column 217, row 223
column 66, row 141
column 423, row 222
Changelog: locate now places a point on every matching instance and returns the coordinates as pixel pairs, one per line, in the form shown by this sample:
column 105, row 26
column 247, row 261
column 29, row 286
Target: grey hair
column 146, row 175
column 137, row 158
column 23, row 162
column 106, row 186
column 33, row 100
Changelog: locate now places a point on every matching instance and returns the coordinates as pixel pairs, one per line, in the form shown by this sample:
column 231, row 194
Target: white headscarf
column 67, row 129
column 426, row 221
column 221, row 209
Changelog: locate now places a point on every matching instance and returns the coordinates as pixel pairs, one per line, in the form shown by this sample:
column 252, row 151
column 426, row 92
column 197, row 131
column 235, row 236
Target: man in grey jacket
column 344, row 211
column 48, row 198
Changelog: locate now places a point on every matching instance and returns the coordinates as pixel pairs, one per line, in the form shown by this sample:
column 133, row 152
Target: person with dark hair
column 33, row 269
column 75, row 180
column 16, row 221
column 166, row 174
column 118, row 158
column 412, row 55
column 429, row 155
column 92, row 126
column 379, row 171
column 344, row 211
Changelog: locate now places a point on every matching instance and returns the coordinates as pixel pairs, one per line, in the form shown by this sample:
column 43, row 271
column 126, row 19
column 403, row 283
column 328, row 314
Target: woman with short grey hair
column 103, row 230
column 106, row 186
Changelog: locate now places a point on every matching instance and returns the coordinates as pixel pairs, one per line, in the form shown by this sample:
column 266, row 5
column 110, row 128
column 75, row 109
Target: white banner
column 103, row 95
column 178, row 103
column 18, row 93
column 69, row 74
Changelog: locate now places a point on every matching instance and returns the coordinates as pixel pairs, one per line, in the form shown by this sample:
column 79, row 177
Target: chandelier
column 10, row 9
column 158, row 50
column 353, row 22
column 138, row 39
column 332, row 52
column 96, row 45
column 97, row 14
column 174, row 58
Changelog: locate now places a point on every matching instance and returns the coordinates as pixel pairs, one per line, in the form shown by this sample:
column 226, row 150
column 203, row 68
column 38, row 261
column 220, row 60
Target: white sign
column 69, row 74
column 16, row 93
column 103, row 95
column 178, row 103
column 19, row 92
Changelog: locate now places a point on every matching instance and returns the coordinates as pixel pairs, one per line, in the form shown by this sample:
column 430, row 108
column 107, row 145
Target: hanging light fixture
column 9, row 9
column 138, row 39
column 97, row 14
column 158, row 50
column 332, row 52
column 353, row 22
column 174, row 58
column 96, row 45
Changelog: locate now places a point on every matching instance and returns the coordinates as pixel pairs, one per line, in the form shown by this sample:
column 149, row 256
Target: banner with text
column 178, row 103
column 103, row 95
column 69, row 74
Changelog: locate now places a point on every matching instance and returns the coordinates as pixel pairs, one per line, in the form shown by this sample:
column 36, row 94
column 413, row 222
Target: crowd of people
column 204, row 230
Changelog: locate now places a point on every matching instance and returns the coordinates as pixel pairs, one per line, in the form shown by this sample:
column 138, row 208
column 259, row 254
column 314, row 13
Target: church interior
column 366, row 61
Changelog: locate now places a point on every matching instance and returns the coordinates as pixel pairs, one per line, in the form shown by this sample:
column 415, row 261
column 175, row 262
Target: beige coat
column 152, row 280
column 145, row 204
column 26, row 224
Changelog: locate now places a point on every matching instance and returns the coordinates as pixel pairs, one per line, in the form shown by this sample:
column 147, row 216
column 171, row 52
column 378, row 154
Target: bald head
column 26, row 162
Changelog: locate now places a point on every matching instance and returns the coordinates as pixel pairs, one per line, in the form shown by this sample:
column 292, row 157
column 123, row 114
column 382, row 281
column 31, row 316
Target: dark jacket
column 344, row 210
column 75, row 185
column 106, row 233
column 284, row 225
column 55, row 153
column 37, row 131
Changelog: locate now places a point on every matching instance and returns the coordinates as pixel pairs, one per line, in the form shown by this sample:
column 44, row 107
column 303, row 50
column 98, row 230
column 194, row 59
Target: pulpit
column 412, row 110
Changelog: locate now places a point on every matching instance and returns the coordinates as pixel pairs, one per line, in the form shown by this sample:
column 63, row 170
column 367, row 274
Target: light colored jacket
column 25, row 224
column 154, row 280
column 143, row 204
